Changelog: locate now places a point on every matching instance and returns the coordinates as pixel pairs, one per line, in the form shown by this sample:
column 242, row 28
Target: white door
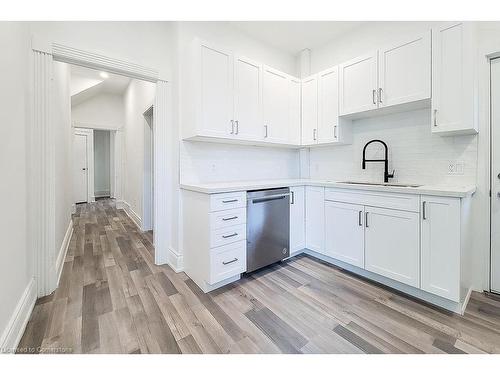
column 297, row 219
column 276, row 105
column 310, row 110
column 405, row 71
column 216, row 101
column 247, row 99
column 344, row 232
column 358, row 84
column 315, row 218
column 440, row 250
column 392, row 244
column 453, row 54
column 80, row 168
column 295, row 103
column 495, row 175
column 328, row 106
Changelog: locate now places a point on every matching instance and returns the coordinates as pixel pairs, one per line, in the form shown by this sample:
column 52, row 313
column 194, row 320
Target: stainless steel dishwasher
column 268, row 227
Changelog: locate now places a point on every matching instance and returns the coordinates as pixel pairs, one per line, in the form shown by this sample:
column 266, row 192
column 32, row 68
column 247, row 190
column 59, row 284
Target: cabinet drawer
column 224, row 236
column 228, row 218
column 227, row 201
column 227, row 261
column 396, row 201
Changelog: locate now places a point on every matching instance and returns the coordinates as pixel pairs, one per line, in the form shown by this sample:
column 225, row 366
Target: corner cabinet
column 454, row 91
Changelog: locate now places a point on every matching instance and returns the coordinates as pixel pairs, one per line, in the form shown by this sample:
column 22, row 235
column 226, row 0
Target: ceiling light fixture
column 104, row 75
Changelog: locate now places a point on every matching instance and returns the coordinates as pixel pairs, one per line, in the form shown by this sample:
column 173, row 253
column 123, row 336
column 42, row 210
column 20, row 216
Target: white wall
column 201, row 162
column 103, row 111
column 138, row 97
column 102, row 170
column 15, row 256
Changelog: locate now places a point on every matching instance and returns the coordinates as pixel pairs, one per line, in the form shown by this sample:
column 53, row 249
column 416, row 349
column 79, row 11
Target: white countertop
column 225, row 187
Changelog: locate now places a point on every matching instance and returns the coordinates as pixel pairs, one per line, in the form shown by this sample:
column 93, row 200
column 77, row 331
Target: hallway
column 113, row 299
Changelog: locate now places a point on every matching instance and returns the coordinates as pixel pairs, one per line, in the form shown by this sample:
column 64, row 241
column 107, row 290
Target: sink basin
column 379, row 184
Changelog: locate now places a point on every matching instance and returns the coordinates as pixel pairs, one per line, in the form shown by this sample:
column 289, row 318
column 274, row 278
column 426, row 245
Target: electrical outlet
column 456, row 168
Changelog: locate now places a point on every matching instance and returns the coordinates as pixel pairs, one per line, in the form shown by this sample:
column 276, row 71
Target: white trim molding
column 63, row 251
column 11, row 336
column 130, row 213
column 175, row 260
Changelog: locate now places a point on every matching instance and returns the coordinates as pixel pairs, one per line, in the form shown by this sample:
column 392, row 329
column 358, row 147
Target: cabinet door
column 453, row 55
column 310, row 110
column 216, row 93
column 441, row 246
column 344, row 232
column 405, row 71
column 247, row 99
column 392, row 244
column 315, row 218
column 276, row 110
column 294, row 101
column 297, row 219
column 328, row 105
column 358, row 84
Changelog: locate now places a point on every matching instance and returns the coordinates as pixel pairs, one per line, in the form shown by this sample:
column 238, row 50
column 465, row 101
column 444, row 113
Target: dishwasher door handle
column 269, row 198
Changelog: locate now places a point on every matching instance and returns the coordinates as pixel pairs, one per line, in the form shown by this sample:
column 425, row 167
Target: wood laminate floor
column 113, row 299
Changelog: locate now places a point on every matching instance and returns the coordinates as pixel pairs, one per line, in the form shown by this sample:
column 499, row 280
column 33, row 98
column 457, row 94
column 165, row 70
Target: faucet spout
column 385, row 160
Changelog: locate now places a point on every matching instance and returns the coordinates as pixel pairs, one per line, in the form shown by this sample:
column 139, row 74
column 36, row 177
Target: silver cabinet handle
column 380, row 94
column 424, row 216
column 230, row 201
column 314, row 134
column 230, row 235
column 237, row 127
column 292, row 201
column 366, row 219
column 265, row 131
column 229, row 218
column 335, row 131
column 360, row 220
column 374, row 92
column 231, row 261
column 435, row 117
column 232, row 127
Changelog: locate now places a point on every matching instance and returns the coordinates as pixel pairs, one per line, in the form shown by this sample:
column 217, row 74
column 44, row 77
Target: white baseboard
column 63, row 251
column 17, row 323
column 131, row 213
column 175, row 260
column 466, row 301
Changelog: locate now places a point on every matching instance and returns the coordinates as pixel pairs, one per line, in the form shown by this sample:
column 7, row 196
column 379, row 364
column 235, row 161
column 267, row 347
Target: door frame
column 41, row 195
column 89, row 133
column 148, row 192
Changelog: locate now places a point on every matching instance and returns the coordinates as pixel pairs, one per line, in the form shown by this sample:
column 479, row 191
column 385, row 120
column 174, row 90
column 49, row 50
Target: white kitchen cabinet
column 358, row 84
column 344, row 232
column 276, row 94
column 453, row 82
column 310, row 110
column 215, row 101
column 328, row 106
column 297, row 219
column 315, row 218
column 294, row 127
column 392, row 244
column 404, row 71
column 440, row 238
column 247, row 99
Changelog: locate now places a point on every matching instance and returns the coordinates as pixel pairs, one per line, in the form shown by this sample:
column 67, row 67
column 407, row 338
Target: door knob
column 84, row 169
column 498, row 175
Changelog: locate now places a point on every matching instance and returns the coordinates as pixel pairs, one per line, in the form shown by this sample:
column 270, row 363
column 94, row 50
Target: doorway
column 83, row 178
column 495, row 175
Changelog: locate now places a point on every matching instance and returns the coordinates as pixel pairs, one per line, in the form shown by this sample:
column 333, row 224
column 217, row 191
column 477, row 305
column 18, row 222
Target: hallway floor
column 113, row 299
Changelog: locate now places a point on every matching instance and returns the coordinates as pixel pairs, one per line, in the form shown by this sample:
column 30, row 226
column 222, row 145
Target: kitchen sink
column 379, row 184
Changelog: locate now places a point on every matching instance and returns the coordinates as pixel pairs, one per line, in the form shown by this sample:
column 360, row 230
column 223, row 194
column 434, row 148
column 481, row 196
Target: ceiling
column 294, row 36
column 87, row 83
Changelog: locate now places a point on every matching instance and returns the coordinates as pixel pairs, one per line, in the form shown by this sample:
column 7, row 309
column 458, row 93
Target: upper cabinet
column 358, row 84
column 310, row 110
column 240, row 100
column 394, row 75
column 453, row 81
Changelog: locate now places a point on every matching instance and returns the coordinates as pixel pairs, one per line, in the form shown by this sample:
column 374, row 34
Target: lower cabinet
column 440, row 251
column 344, row 232
column 392, row 244
column 315, row 218
column 297, row 215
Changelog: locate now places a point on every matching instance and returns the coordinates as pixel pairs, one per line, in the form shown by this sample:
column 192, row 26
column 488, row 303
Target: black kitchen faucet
column 385, row 160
